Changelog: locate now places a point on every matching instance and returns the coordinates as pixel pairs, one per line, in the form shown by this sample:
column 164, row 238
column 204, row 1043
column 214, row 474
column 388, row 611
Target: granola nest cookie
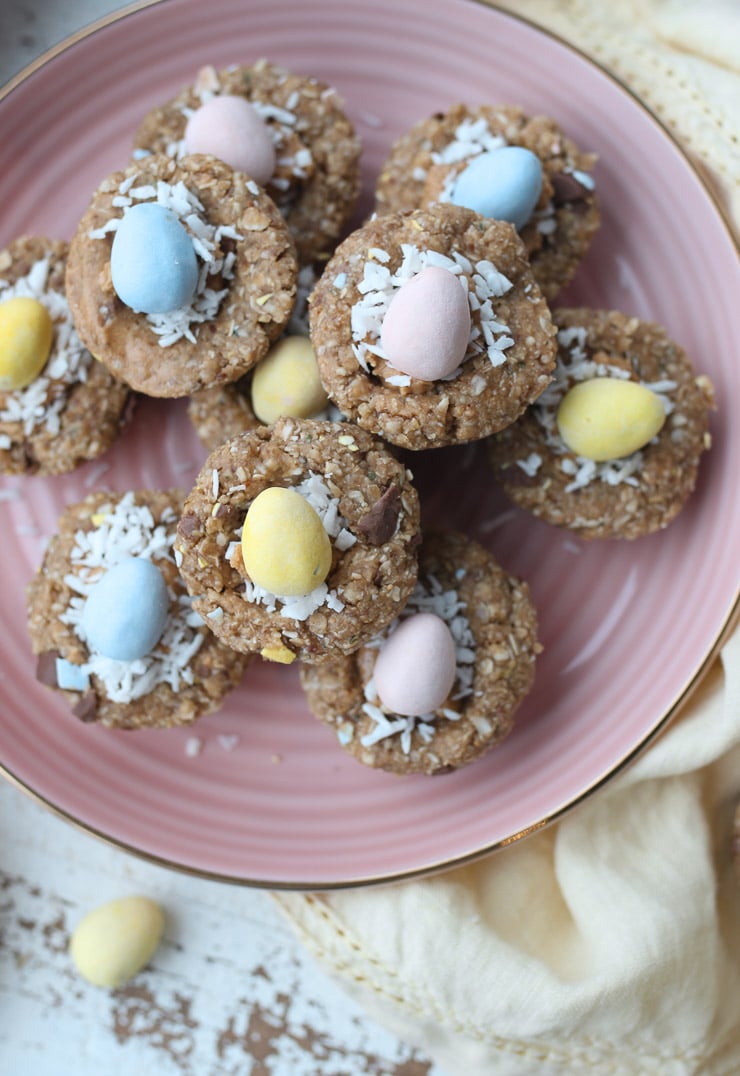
column 424, row 164
column 329, row 495
column 508, row 341
column 629, row 493
column 84, row 596
column 231, row 256
column 493, row 626
column 58, row 407
column 316, row 176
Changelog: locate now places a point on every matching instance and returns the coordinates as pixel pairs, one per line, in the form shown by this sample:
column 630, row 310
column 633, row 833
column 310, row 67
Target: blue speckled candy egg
column 152, row 261
column 126, row 611
column 504, row 184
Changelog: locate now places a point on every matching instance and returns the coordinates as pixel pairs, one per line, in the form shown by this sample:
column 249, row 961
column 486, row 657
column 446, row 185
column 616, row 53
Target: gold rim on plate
column 726, row 628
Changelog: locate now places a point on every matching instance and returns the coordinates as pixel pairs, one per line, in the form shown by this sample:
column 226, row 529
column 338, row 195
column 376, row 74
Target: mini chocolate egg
column 606, row 418
column 504, row 184
column 426, row 328
column 284, row 545
column 26, row 335
column 287, row 382
column 229, row 128
column 153, row 265
column 415, row 669
column 126, row 611
column 115, row 941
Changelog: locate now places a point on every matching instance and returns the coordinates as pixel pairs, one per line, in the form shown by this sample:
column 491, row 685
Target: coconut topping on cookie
column 123, row 531
column 615, row 465
column 175, row 235
column 386, row 295
column 35, row 319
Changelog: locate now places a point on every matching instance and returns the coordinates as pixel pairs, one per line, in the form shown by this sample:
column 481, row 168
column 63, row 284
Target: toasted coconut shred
column 207, row 241
column 42, row 402
column 428, row 596
column 314, row 490
column 482, row 283
column 125, row 530
column 580, row 368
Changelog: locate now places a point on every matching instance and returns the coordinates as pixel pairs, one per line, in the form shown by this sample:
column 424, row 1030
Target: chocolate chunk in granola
column 379, row 523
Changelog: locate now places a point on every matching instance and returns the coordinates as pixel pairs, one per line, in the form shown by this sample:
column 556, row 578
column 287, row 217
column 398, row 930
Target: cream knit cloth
column 609, row 943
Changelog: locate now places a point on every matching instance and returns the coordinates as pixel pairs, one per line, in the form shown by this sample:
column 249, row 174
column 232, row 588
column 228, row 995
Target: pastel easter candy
column 115, row 941
column 229, row 127
column 606, row 418
column 153, row 265
column 126, row 611
column 26, row 334
column 504, row 184
column 284, row 545
column 287, row 382
column 71, row 677
column 415, row 670
column 426, row 328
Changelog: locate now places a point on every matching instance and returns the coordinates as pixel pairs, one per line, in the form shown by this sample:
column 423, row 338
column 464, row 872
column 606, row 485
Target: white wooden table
column 231, row 990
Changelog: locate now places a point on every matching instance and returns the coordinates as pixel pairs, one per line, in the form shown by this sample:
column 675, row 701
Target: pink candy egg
column 229, row 128
column 415, row 670
column 426, row 328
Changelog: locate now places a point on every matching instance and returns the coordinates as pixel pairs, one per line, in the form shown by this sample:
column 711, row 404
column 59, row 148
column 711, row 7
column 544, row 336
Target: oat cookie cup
column 316, row 178
column 328, row 489
column 493, row 626
column 174, row 679
column 424, row 164
column 238, row 274
column 58, row 407
column 510, row 350
column 630, row 494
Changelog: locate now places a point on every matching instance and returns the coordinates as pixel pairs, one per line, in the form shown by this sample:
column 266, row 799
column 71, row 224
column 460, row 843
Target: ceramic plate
column 271, row 799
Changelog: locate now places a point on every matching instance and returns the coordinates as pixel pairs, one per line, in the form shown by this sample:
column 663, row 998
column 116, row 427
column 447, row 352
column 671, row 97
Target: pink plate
column 628, row 628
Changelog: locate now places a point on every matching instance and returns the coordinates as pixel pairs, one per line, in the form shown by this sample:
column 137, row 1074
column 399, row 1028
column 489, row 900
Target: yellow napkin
column 609, row 943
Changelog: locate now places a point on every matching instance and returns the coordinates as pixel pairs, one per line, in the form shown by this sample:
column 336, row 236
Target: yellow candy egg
column 284, row 545
column 26, row 333
column 606, row 418
column 115, row 941
column 287, row 382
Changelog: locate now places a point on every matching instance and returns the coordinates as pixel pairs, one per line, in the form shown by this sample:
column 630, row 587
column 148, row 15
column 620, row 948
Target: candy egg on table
column 285, row 547
column 26, row 335
column 152, row 261
column 116, row 941
column 416, row 666
column 126, row 611
column 606, row 418
column 426, row 329
column 287, row 382
column 504, row 184
column 228, row 127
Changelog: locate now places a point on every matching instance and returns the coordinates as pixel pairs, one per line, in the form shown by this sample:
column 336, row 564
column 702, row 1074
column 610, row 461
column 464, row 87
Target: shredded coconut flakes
column 128, row 530
column 428, row 597
column 206, row 238
column 578, row 368
column 41, row 403
column 315, row 491
column 481, row 282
